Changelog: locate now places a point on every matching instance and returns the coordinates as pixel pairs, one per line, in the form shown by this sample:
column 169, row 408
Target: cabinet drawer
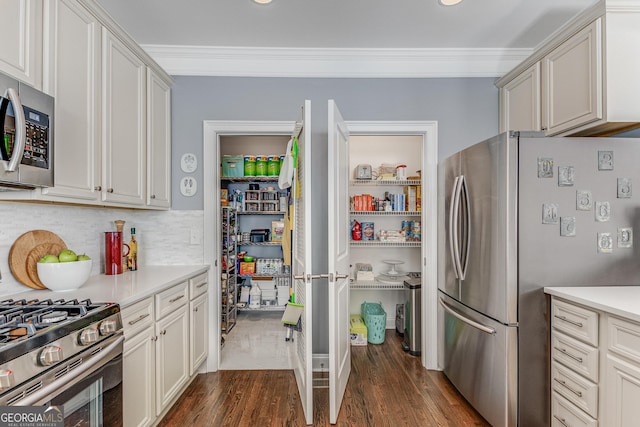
column 624, row 337
column 578, row 322
column 575, row 388
column 576, row 355
column 170, row 299
column 137, row 317
column 198, row 285
column 564, row 414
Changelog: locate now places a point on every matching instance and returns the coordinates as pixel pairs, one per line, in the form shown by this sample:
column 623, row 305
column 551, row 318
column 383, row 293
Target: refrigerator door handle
column 454, row 221
column 467, row 234
column 469, row 322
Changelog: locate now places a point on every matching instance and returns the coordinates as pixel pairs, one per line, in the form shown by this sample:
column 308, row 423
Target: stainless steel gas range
column 63, row 353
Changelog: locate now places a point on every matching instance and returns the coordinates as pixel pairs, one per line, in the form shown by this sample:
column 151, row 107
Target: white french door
column 301, row 262
column 338, row 244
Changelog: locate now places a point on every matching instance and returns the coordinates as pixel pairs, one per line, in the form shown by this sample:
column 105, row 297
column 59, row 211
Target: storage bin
column 375, row 318
column 232, row 166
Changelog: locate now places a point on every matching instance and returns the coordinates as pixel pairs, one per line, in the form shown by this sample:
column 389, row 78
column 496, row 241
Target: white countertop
column 622, row 301
column 126, row 288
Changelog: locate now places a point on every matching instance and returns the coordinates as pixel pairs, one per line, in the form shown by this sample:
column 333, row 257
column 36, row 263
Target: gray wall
column 466, row 111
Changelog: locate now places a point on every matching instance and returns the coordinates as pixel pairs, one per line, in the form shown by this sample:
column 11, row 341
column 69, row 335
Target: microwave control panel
column 36, row 149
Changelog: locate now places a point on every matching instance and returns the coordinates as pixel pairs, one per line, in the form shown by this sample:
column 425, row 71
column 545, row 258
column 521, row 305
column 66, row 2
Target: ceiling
column 332, row 27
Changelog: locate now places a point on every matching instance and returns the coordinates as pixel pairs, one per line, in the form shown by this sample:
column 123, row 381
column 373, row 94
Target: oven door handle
column 64, row 382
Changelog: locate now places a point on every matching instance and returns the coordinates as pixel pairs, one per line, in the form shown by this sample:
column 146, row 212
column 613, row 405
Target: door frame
column 212, row 131
column 429, row 295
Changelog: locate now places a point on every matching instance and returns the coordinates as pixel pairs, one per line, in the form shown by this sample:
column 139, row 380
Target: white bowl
column 64, row 276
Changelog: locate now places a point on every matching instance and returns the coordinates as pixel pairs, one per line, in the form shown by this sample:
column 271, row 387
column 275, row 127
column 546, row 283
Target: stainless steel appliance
column 412, row 315
column 66, row 353
column 523, row 212
column 26, row 146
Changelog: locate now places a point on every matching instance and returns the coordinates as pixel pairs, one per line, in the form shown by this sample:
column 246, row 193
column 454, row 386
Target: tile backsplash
column 163, row 236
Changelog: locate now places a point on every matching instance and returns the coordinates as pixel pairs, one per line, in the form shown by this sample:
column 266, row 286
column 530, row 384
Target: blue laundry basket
column 375, row 318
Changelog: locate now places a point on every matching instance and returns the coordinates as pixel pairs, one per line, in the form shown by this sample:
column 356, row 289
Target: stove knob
column 108, row 327
column 50, row 355
column 6, row 379
column 88, row 336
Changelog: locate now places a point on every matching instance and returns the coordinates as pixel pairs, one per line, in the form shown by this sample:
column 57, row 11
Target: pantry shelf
column 378, row 244
column 374, row 285
column 386, row 213
column 370, row 183
column 261, row 213
column 259, row 244
column 249, row 178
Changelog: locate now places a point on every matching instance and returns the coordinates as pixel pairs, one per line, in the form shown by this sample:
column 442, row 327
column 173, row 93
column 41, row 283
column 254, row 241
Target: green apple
column 49, row 259
column 83, row 257
column 67, row 255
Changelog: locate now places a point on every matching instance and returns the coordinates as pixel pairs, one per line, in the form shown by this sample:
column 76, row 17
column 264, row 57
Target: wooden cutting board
column 27, row 250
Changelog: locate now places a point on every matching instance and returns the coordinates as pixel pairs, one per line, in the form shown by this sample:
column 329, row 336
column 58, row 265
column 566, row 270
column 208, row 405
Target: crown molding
column 322, row 62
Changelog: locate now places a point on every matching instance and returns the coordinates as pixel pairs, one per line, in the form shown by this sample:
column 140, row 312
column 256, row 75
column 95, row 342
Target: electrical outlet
column 195, row 238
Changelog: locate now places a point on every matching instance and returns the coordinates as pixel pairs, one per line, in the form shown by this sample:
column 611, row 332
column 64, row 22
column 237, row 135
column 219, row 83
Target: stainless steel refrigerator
column 518, row 213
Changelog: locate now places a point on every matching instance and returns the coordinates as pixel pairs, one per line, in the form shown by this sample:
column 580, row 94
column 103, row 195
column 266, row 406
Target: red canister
column 112, row 252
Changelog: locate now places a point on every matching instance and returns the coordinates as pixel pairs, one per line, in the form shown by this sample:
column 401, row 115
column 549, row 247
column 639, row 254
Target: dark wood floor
column 387, row 387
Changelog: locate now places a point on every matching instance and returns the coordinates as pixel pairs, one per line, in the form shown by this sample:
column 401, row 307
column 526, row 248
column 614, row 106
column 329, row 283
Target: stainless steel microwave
column 26, row 146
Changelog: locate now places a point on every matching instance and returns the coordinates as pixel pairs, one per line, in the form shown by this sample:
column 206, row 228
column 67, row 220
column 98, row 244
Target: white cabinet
column 158, row 141
column 588, row 76
column 172, row 356
column 595, row 368
column 572, row 81
column 574, row 363
column 198, row 318
column 520, row 102
column 622, row 387
column 124, row 123
column 112, row 116
column 139, row 369
column 72, row 76
column 165, row 343
column 21, row 35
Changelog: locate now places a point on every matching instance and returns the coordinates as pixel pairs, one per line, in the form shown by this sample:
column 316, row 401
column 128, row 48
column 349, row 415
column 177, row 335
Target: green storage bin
column 232, row 166
column 375, row 318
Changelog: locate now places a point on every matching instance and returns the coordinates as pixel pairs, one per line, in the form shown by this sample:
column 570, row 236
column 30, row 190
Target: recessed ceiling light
column 449, row 2
column 262, row 1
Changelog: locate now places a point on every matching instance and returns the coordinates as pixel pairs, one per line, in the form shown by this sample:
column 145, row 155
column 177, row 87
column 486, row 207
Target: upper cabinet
column 158, row 141
column 520, row 101
column 112, row 112
column 124, row 123
column 586, row 83
column 21, row 35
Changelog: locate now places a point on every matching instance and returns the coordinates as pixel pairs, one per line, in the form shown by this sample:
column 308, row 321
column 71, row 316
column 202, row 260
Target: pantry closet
column 255, row 281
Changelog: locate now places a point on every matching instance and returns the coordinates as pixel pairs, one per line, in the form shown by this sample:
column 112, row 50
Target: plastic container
column 261, row 165
column 255, row 297
column 375, row 318
column 249, row 165
column 273, row 165
column 232, row 166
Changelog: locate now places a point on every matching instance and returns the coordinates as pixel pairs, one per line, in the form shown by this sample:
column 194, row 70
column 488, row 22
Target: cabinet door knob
column 164, row 332
column 98, row 188
column 153, row 196
column 110, row 190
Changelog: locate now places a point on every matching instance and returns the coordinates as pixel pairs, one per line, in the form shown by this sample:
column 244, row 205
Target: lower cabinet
column 595, row 368
column 165, row 343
